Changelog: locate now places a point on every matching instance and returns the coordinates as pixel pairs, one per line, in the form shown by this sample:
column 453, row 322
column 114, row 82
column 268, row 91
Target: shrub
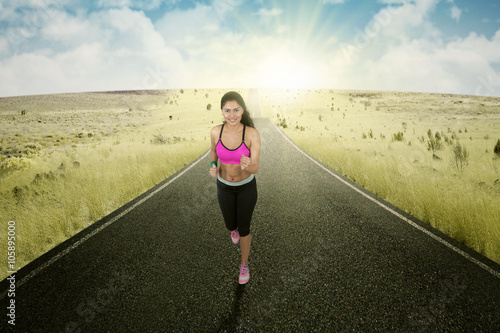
column 397, row 136
column 496, row 150
column 434, row 143
column 160, row 139
column 32, row 148
column 16, row 163
column 209, row 107
column 461, row 156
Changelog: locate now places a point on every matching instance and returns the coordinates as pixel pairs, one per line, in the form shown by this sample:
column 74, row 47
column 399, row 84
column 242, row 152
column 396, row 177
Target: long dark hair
column 234, row 96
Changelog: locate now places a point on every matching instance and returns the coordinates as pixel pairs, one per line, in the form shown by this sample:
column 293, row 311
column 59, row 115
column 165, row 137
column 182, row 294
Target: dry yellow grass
column 353, row 132
column 74, row 158
column 71, row 159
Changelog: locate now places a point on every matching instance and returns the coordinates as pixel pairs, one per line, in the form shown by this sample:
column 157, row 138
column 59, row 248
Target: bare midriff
column 233, row 172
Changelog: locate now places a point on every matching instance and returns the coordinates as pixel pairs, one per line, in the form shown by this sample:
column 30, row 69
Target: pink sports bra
column 231, row 156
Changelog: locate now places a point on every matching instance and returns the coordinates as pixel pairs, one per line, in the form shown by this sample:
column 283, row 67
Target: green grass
column 383, row 146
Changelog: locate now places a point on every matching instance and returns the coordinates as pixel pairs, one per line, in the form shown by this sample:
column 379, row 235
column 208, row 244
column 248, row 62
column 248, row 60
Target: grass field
column 431, row 155
column 68, row 160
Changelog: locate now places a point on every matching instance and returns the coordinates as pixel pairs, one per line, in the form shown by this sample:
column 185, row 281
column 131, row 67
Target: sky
column 432, row 46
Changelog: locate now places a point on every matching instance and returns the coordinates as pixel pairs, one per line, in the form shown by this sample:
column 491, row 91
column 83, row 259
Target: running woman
column 236, row 145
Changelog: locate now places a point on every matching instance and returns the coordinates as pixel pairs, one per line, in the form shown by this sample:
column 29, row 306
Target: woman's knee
column 244, row 230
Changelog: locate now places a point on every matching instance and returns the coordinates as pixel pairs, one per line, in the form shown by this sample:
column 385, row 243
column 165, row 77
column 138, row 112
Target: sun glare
column 285, row 71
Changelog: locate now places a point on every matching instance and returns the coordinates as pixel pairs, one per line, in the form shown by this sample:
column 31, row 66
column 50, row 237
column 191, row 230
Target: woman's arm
column 213, row 152
column 252, row 164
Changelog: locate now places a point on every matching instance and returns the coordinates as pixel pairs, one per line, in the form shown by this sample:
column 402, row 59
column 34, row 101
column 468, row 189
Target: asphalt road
column 324, row 257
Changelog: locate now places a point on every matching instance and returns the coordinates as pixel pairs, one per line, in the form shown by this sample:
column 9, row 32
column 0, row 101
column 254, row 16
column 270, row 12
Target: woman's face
column 232, row 112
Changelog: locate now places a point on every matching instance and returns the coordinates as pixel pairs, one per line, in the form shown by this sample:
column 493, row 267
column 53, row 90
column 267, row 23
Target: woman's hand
column 245, row 162
column 214, row 171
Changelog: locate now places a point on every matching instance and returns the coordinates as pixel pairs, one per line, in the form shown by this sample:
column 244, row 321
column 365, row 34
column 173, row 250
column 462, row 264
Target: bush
column 434, row 143
column 32, row 148
column 461, row 156
column 16, row 163
column 209, row 107
column 160, row 139
column 496, row 150
column 398, row 136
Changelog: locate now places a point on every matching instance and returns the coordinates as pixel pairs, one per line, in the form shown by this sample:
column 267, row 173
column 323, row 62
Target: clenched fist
column 214, row 171
column 245, row 162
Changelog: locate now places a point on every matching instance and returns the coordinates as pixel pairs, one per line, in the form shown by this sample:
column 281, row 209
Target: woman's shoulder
column 252, row 133
column 251, row 130
column 216, row 129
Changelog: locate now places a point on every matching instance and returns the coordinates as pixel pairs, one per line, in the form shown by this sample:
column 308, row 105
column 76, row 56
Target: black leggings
column 237, row 204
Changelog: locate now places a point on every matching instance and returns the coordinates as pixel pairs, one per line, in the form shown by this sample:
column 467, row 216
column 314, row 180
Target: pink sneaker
column 244, row 274
column 235, row 236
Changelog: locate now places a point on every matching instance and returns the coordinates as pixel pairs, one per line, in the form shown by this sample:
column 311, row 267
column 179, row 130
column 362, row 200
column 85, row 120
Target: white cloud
column 333, row 2
column 67, row 29
column 189, row 29
column 120, row 48
column 390, row 55
column 270, row 12
column 136, row 4
column 455, row 13
column 480, row 45
column 130, row 30
column 4, row 46
column 30, row 73
column 32, row 12
column 110, row 49
column 224, row 7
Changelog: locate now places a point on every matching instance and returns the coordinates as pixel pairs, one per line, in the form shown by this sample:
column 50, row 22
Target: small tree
column 209, row 107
